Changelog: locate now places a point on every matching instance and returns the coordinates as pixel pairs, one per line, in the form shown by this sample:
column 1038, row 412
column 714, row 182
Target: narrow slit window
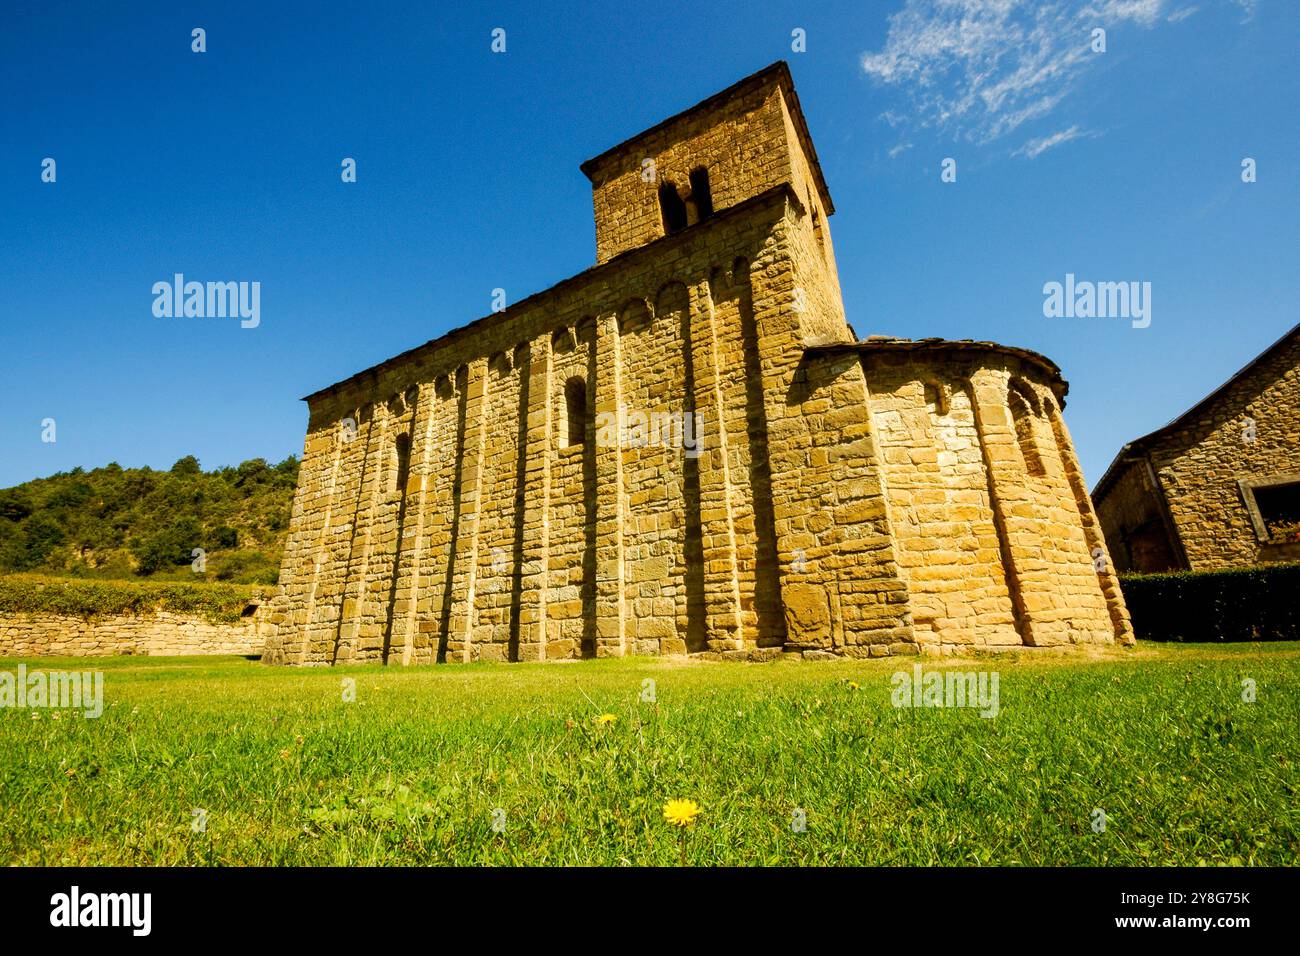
column 575, row 400
column 402, row 462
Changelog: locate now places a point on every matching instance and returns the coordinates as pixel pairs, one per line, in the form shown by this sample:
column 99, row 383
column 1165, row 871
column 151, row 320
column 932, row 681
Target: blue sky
column 1115, row 166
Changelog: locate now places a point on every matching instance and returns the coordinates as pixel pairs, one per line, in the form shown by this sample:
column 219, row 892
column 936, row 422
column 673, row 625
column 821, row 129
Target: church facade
column 686, row 450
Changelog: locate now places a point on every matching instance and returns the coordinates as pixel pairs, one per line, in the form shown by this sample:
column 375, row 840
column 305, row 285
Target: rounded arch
column 634, row 316
column 1022, row 417
column 562, row 339
column 1026, row 393
column 671, row 296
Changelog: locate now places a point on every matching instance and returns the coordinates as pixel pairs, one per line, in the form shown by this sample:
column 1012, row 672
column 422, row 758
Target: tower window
column 575, row 401
column 701, row 196
column 672, row 208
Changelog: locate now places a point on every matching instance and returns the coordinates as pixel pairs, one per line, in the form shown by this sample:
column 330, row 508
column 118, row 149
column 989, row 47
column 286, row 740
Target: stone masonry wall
column 940, row 505
column 994, row 530
column 819, row 300
column 154, row 635
column 1200, row 463
column 840, row 581
column 1136, row 530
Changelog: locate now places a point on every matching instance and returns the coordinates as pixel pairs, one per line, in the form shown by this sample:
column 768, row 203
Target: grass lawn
column 415, row 769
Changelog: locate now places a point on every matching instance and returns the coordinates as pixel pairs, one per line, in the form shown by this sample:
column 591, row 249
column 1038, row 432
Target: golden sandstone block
column 700, row 468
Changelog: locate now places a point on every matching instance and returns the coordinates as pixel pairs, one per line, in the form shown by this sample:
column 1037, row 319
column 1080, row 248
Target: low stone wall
column 159, row 634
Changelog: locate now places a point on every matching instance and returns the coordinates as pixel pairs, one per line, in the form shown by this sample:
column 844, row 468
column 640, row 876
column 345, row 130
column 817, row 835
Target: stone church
column 685, row 449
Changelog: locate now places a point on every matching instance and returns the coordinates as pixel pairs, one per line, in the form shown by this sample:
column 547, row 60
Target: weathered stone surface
column 807, row 614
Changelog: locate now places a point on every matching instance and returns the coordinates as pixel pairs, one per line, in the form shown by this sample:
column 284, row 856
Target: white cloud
column 979, row 69
column 1178, row 16
column 1036, row 147
column 898, row 150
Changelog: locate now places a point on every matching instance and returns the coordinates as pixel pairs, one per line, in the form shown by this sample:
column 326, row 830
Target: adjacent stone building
column 1219, row 486
column 684, row 450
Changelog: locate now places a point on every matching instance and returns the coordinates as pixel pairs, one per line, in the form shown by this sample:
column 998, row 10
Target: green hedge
column 1244, row 604
column 82, row 597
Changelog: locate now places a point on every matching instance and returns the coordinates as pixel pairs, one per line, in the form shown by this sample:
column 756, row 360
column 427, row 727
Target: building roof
column 1140, row 445
column 887, row 343
column 778, row 72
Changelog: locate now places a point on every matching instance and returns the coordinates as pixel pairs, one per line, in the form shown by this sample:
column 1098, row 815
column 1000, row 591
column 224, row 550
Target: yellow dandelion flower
column 853, row 685
column 681, row 813
column 604, row 720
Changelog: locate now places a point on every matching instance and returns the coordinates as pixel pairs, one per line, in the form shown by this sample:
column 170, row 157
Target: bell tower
column 733, row 146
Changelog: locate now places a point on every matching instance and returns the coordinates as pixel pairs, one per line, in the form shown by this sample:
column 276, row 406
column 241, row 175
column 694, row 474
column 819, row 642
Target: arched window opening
column 701, row 196
column 401, row 462
column 1023, row 416
column 562, row 339
column 575, row 401
column 672, row 208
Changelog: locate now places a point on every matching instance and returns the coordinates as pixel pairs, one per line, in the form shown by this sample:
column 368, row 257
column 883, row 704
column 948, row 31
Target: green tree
column 15, row 504
column 168, row 547
column 41, row 536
